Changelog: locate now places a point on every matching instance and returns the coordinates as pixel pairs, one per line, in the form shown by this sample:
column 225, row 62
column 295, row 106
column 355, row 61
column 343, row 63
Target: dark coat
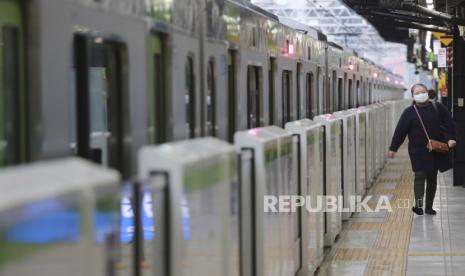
column 440, row 126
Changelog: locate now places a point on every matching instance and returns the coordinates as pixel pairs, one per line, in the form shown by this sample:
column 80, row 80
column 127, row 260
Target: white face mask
column 421, row 98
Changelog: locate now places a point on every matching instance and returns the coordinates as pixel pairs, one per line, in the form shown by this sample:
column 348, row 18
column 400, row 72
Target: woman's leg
column 419, row 188
column 431, row 184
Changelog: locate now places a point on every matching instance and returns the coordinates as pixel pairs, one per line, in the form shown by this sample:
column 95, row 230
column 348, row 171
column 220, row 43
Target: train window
column 335, row 93
column 210, row 99
column 272, row 90
column 321, row 91
column 286, row 97
column 370, row 91
column 351, row 94
column 12, row 123
column 309, row 53
column 158, row 97
column 190, row 97
column 298, row 84
column 357, row 93
column 309, row 100
column 100, row 99
column 231, row 94
column 328, row 92
column 340, row 94
column 254, row 96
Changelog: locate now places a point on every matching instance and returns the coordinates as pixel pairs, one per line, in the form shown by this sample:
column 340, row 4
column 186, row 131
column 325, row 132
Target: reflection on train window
column 210, row 99
column 100, row 98
column 340, row 95
column 231, row 95
column 11, row 123
column 286, row 97
column 254, row 96
column 310, row 103
column 351, row 94
column 190, row 97
column 272, row 90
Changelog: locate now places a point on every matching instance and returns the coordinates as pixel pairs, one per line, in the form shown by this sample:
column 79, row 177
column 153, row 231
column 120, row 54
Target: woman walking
column 431, row 132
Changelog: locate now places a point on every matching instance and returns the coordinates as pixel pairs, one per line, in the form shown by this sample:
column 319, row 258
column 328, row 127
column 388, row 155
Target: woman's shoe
column 417, row 210
column 430, row 212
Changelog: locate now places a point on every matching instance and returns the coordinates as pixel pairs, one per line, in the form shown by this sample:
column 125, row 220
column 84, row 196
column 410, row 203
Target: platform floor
column 397, row 242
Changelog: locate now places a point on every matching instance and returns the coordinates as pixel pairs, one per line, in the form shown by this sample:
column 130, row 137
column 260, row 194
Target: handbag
column 433, row 145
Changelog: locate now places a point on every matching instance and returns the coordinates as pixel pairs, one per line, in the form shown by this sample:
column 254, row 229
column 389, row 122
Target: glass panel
column 340, row 94
column 271, row 78
column 351, row 95
column 211, row 99
column 254, row 96
column 190, row 98
column 311, row 97
column 299, row 69
column 10, row 99
column 286, row 96
column 231, row 95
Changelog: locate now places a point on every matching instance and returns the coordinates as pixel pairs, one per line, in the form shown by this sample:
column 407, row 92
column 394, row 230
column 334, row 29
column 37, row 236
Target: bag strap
column 421, row 121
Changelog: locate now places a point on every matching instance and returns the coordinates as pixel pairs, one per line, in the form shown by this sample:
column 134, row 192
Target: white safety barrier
column 277, row 239
column 59, row 218
column 349, row 161
column 311, row 157
column 332, row 171
column 201, row 176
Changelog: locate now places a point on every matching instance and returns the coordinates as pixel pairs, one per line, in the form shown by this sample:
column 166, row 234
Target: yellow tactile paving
column 388, row 256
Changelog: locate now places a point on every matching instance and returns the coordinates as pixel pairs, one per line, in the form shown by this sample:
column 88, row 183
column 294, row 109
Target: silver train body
column 103, row 79
column 157, row 71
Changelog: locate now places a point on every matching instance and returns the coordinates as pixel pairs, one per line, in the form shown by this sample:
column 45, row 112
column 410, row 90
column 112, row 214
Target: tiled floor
column 436, row 245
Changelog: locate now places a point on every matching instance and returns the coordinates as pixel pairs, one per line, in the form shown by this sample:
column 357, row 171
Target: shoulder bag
column 433, row 145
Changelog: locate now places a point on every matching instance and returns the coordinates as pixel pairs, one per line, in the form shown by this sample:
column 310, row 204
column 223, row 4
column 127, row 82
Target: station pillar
column 457, row 105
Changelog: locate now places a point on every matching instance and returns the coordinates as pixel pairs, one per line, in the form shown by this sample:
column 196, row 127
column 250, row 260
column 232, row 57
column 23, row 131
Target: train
column 104, row 80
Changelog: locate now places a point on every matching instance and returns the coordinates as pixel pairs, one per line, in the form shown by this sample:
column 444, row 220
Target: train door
column 340, row 95
column 158, row 99
column 100, row 97
column 254, row 97
column 358, row 94
column 350, row 94
column 190, row 96
column 321, row 91
column 210, row 100
column 286, row 97
column 272, row 91
column 13, row 120
column 232, row 92
column 298, row 90
column 311, row 97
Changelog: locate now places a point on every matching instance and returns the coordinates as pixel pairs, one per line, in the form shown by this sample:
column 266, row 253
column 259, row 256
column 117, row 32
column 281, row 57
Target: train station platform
column 399, row 242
